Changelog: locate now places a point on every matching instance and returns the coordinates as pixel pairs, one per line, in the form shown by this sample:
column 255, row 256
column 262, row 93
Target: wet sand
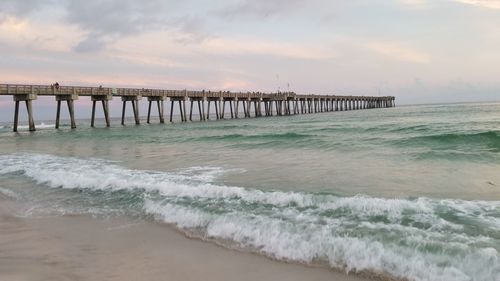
column 85, row 248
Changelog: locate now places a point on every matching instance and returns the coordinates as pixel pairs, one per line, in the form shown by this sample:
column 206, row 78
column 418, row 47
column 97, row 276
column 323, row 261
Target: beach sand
column 85, row 248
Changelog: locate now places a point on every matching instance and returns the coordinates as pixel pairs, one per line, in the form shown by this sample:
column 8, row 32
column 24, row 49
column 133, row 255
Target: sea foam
column 414, row 238
column 38, row 126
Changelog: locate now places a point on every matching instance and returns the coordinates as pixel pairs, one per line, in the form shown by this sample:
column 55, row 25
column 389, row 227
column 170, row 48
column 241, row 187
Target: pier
column 200, row 103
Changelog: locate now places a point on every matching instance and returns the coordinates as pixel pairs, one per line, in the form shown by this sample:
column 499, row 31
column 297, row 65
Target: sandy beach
column 84, row 248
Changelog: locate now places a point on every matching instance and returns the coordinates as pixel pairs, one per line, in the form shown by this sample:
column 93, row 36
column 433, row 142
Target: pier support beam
column 71, row 109
column 236, row 107
column 217, row 103
column 159, row 102
column 256, row 106
column 201, row 111
column 222, row 108
column 287, row 107
column 105, row 106
column 208, row 110
column 182, row 107
column 191, row 110
column 27, row 98
column 135, row 107
column 182, row 110
column 231, row 108
column 217, row 107
column 247, row 104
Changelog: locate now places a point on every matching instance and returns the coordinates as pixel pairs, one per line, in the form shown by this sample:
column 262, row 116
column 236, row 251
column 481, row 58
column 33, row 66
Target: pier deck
column 254, row 104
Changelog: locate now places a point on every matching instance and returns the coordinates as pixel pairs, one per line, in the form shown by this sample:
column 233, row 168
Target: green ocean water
column 413, row 191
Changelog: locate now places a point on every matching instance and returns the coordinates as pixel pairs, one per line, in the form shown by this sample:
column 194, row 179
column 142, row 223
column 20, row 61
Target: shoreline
column 85, row 248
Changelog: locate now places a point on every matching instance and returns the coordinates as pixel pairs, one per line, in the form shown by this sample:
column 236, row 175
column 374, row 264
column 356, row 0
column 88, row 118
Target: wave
column 459, row 146
column 269, row 140
column 410, row 129
column 224, row 126
column 493, row 136
column 408, row 238
column 270, row 136
column 42, row 125
column 488, row 137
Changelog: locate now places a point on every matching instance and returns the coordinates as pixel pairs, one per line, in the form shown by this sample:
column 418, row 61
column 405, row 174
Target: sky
column 421, row 51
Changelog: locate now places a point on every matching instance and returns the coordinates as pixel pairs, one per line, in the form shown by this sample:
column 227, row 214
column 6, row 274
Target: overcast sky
column 420, row 51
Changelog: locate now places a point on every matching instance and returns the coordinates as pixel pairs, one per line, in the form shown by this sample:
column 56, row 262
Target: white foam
column 42, row 125
column 9, row 193
column 206, row 174
column 103, row 175
column 410, row 239
column 307, row 241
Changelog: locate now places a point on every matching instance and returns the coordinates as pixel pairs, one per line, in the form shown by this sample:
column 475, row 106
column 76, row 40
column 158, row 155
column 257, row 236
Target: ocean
column 411, row 192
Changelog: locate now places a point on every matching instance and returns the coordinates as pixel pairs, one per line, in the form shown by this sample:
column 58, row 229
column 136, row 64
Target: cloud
column 415, row 3
column 398, row 52
column 234, row 84
column 490, row 4
column 190, row 30
column 18, row 33
column 90, row 44
column 19, row 8
column 107, row 20
column 249, row 46
column 169, row 52
column 243, row 44
column 10, row 8
column 104, row 21
column 261, row 8
column 110, row 20
column 14, row 25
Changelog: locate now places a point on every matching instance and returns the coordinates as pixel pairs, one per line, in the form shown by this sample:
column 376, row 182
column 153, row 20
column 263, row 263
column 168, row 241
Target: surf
column 407, row 238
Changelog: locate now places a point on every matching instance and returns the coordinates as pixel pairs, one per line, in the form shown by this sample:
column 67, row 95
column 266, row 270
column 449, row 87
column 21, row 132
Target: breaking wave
column 408, row 238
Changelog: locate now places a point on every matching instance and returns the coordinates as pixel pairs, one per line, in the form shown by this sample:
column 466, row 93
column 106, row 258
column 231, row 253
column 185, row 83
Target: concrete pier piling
column 134, row 100
column 159, row 103
column 71, row 109
column 104, row 98
column 253, row 104
column 27, row 98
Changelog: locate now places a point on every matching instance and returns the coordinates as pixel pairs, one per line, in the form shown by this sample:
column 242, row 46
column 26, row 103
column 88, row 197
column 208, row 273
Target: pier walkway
column 254, row 104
